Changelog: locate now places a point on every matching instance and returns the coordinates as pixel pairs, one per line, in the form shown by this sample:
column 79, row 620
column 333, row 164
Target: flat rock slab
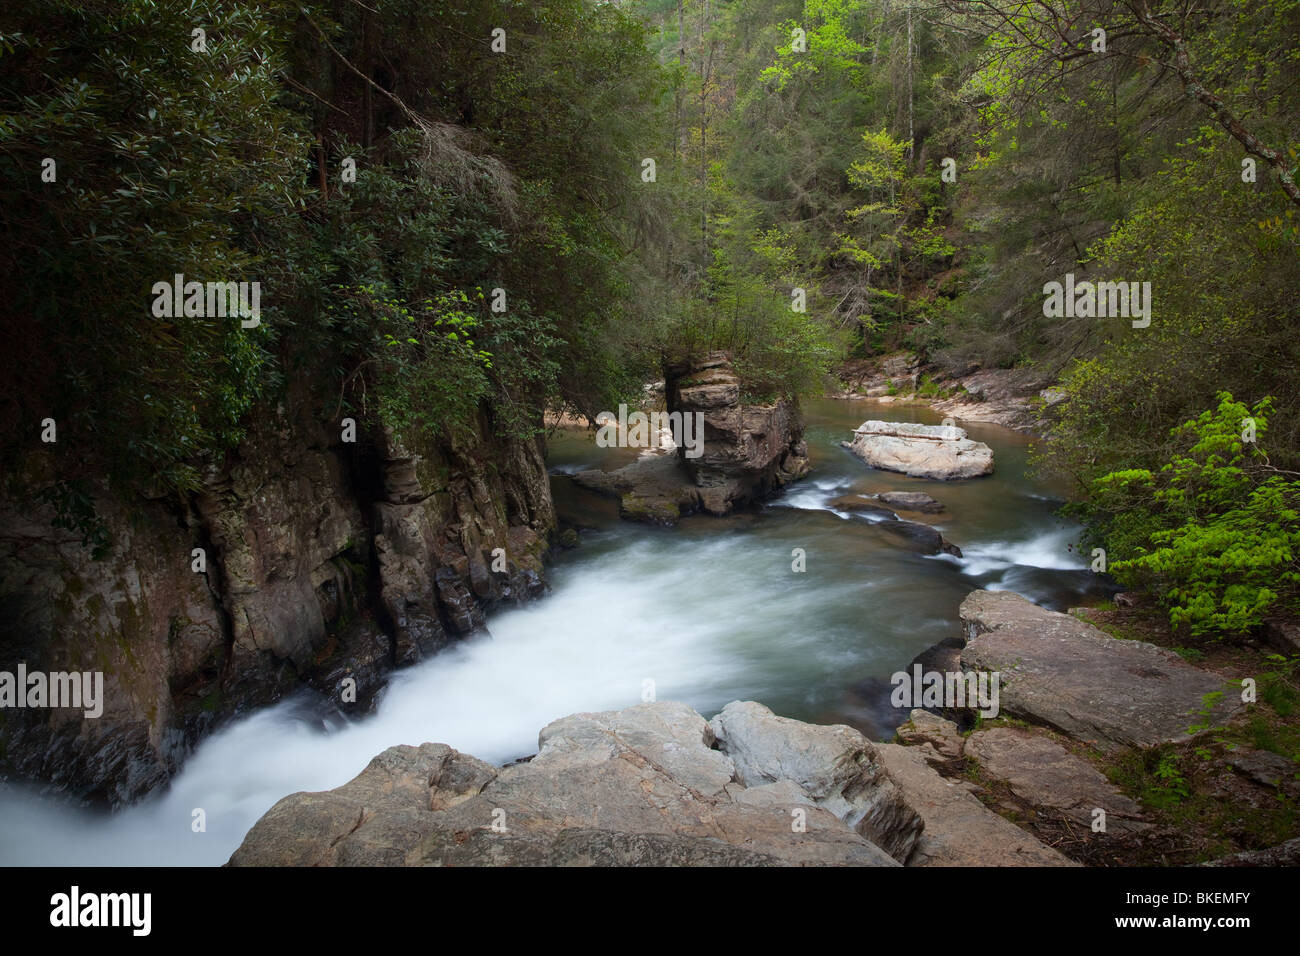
column 1065, row 673
column 1044, row 773
column 959, row 830
column 922, row 451
column 1267, row 768
column 643, row 786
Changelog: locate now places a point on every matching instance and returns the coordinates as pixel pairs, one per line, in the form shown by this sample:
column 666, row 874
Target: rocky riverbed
column 1021, row 399
column 654, row 784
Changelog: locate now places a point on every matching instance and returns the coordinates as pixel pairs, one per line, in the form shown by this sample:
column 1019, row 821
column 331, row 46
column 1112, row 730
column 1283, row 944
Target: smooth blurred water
column 710, row 611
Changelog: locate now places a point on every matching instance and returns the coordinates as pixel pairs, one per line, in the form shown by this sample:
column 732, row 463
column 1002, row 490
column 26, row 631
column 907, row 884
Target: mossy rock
column 649, row 510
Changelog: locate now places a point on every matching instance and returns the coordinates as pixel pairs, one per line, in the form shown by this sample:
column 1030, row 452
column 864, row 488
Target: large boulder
column 750, row 450
column 922, row 451
column 1062, row 672
column 836, row 766
column 746, row 451
column 640, row 786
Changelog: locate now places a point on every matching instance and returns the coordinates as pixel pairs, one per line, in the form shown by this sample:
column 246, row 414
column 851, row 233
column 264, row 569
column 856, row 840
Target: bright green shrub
column 1215, row 533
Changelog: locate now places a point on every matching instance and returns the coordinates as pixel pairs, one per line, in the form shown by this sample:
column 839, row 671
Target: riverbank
column 1020, row 399
column 1106, row 710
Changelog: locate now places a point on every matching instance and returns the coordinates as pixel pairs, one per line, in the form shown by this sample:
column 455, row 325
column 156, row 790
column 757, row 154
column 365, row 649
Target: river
column 707, row 612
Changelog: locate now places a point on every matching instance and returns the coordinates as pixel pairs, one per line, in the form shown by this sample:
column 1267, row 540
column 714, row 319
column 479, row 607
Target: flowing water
column 710, row 611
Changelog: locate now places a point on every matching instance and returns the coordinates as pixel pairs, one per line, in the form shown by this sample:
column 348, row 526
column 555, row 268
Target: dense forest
column 457, row 208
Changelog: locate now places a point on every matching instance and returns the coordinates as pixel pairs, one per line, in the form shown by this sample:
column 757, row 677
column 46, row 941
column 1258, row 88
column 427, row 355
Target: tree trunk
column 911, row 134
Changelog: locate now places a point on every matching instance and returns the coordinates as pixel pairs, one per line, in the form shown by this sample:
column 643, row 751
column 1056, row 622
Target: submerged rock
column 910, row 501
column 929, row 539
column 860, row 505
column 922, row 451
column 655, row 489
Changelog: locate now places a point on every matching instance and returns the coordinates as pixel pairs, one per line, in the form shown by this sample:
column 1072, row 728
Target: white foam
column 587, row 647
column 1049, row 550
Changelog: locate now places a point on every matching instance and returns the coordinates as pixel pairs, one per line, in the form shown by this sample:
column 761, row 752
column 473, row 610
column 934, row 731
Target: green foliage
column 1214, row 534
column 74, row 510
column 803, row 129
column 167, row 162
column 431, row 377
column 1100, row 164
column 777, row 351
column 1195, row 224
column 1208, row 703
column 1170, row 786
column 1277, row 686
column 474, row 171
column 928, row 388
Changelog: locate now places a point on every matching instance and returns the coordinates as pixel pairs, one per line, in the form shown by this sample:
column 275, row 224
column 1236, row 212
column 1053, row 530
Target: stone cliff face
column 324, row 561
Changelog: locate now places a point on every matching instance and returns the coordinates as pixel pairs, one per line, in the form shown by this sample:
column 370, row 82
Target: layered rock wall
column 750, row 450
column 322, row 562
